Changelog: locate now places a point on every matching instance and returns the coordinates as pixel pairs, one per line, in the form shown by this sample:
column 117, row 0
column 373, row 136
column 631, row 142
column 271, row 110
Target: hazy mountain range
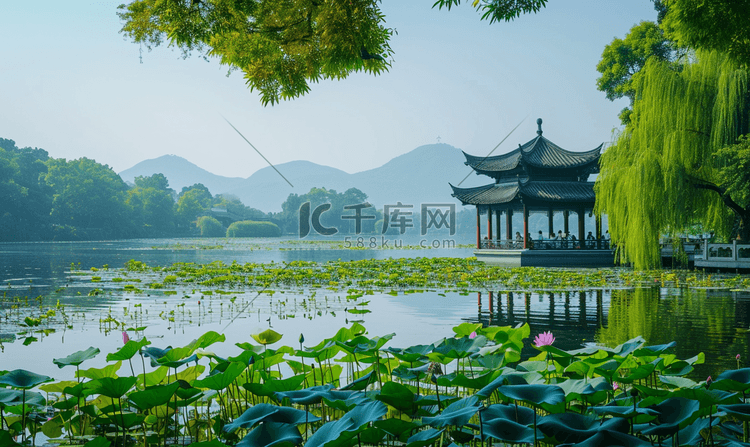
column 419, row 176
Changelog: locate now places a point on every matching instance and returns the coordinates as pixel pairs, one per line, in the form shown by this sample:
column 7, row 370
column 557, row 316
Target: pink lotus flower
column 473, row 335
column 615, row 386
column 544, row 339
column 738, row 357
column 125, row 338
column 709, row 380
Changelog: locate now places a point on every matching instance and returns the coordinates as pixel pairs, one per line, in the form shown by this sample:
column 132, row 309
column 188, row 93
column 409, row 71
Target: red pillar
column 479, row 235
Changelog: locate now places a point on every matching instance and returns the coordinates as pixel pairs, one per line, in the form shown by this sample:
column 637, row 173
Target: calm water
column 37, row 275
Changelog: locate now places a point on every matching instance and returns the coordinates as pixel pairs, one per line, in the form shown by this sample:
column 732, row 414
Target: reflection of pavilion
column 571, row 315
column 539, row 176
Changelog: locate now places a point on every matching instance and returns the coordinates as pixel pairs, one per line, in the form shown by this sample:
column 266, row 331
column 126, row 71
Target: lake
column 35, row 277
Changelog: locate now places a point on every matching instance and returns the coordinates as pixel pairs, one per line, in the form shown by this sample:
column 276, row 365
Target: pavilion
column 539, row 176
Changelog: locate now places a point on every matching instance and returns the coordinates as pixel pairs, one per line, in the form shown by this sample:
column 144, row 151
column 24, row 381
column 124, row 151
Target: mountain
column 419, row 176
column 180, row 173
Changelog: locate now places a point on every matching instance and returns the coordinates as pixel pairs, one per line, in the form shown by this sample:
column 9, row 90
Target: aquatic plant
column 457, row 389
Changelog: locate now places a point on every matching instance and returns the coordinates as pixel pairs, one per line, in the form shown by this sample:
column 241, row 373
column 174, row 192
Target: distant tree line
column 45, row 198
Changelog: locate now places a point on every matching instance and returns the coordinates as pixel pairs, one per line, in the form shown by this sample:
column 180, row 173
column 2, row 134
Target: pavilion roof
column 531, row 191
column 538, row 152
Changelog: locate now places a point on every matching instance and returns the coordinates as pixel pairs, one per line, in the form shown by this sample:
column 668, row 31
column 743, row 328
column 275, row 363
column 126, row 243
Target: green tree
column 623, row 59
column 153, row 205
column 665, row 171
column 249, row 228
column 89, row 196
column 279, row 46
column 192, row 202
column 156, row 181
column 720, row 25
column 282, row 47
column 210, row 227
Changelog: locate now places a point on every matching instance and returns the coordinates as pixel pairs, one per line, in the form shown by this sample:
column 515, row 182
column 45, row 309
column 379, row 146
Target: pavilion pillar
column 479, row 234
column 566, row 228
column 598, row 227
column 581, row 226
column 550, row 215
column 509, row 224
column 489, row 224
column 497, row 224
column 525, row 227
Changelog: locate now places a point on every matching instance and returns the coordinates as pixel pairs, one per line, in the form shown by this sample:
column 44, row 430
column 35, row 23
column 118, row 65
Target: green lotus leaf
column 339, row 432
column 57, row 387
column 629, row 346
column 733, row 380
column 127, row 420
column 76, row 358
column 53, row 428
column 153, row 396
column 456, row 414
column 398, row 396
column 573, row 428
column 590, row 390
column 678, row 382
column 614, row 439
column 155, row 354
column 269, row 413
column 395, row 427
column 10, row 397
column 99, row 441
column 100, row 373
column 174, row 358
column 22, row 379
column 626, row 411
column 128, row 350
column 221, row 380
column 518, row 414
column 738, row 411
column 508, row 431
column 361, row 383
column 640, row 372
column 270, row 387
column 208, row 339
column 653, row 351
column 272, row 434
column 411, row 354
column 424, row 437
column 708, row 397
column 526, row 378
column 673, row 414
column 458, row 348
column 371, row 436
column 267, row 337
column 7, row 440
column 465, row 329
column 308, row 396
column 474, row 383
column 533, row 394
column 211, row 443
column 114, row 388
column 344, row 400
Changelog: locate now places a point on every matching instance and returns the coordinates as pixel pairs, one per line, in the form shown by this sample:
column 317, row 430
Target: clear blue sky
column 71, row 84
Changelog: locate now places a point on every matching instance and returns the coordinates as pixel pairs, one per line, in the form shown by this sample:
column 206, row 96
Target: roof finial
column 539, row 122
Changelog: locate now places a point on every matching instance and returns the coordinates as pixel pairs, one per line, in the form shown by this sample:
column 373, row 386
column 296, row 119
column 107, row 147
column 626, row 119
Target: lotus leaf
column 130, row 349
column 267, row 337
column 398, row 396
column 344, row 400
column 153, row 396
column 629, row 346
column 674, row 413
column 424, row 437
column 626, row 411
column 457, row 348
column 395, row 427
column 456, row 414
column 339, row 432
column 99, row 441
column 524, row 378
column 575, row 428
column 738, row 411
column 611, row 439
column 361, row 383
column 592, row 391
column 114, row 388
column 211, row 443
column 653, row 351
column 270, row 387
column 371, row 436
column 412, row 353
column 100, row 373
column 678, row 382
column 307, row 396
column 22, row 379
column 76, row 358
column 533, row 394
column 7, row 440
column 271, row 434
column 733, row 380
column 474, row 383
column 506, row 430
column 127, row 420
column 221, row 380
column 465, row 329
column 270, row 413
column 155, row 354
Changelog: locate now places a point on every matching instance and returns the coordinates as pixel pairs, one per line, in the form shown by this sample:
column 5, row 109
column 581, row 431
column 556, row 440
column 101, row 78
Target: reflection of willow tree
column 696, row 322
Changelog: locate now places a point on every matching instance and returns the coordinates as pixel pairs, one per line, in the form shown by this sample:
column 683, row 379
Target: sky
column 71, row 84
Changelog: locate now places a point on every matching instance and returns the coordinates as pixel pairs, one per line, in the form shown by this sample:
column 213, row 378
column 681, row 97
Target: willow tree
column 665, row 171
